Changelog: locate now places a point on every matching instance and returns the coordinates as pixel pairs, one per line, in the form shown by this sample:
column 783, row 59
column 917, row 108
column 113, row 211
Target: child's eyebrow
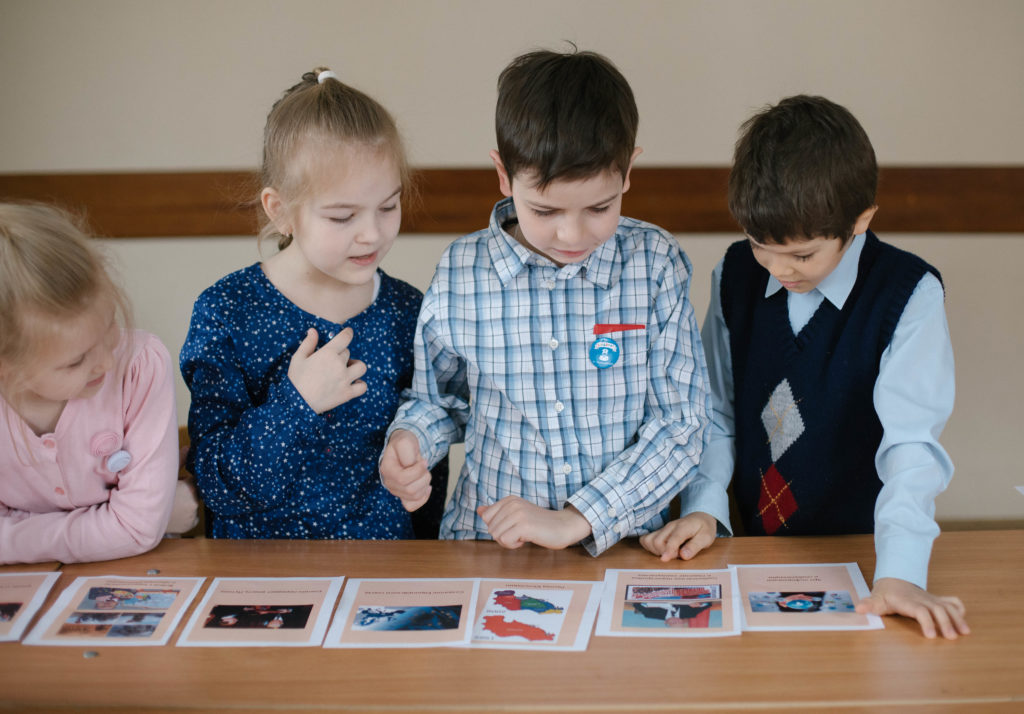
column 545, row 206
column 356, row 205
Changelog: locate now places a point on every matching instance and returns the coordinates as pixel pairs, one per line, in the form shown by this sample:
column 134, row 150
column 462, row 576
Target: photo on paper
column 664, row 592
column 414, row 617
column 21, row 596
column 262, row 612
column 536, row 614
column 388, row 612
column 796, row 602
column 110, row 624
column 113, row 610
column 261, row 617
column 803, row 597
column 669, row 603
column 690, row 614
column 104, row 598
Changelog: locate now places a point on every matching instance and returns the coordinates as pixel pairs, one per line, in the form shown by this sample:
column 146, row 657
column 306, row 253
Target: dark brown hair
column 803, row 169
column 564, row 116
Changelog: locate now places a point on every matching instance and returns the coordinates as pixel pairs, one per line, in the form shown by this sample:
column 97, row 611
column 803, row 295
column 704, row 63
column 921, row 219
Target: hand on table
column 892, row 596
column 684, row 537
column 403, row 470
column 513, row 521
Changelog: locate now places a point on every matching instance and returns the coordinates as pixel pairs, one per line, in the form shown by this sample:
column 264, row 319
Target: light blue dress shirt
column 913, row 397
column 503, row 359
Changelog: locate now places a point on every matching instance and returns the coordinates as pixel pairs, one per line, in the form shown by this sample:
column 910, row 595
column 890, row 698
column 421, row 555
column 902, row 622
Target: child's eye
column 803, row 258
column 388, row 209
column 339, row 219
column 77, row 363
column 599, row 209
column 543, row 213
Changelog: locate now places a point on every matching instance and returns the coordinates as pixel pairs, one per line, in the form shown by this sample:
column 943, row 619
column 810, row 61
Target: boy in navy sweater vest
column 830, row 362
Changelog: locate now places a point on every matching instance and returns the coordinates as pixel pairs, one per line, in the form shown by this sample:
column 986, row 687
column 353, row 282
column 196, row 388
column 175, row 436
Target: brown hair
column 312, row 114
column 50, row 272
column 803, row 168
column 564, row 116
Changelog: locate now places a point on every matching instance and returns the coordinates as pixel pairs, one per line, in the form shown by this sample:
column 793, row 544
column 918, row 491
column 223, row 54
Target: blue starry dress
column 266, row 465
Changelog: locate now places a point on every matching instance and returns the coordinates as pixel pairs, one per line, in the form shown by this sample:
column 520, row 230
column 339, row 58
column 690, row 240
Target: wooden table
column 892, row 669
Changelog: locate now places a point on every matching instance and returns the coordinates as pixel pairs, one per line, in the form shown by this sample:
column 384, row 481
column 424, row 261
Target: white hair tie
column 325, row 75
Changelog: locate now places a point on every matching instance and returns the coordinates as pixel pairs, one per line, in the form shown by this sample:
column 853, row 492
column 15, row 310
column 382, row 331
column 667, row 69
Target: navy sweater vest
column 806, row 427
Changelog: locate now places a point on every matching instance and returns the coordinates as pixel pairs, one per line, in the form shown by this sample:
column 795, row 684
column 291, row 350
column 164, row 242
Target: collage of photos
column 116, row 611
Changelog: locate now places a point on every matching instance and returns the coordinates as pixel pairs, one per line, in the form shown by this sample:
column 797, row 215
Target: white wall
column 152, row 85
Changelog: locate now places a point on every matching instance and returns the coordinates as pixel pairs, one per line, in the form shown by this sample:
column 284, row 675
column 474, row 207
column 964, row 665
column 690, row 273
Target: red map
column 510, row 628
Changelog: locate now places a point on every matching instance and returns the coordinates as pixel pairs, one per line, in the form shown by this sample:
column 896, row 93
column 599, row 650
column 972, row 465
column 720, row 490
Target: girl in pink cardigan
column 88, row 432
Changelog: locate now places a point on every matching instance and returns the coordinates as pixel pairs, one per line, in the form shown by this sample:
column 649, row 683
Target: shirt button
column 566, row 469
column 550, row 285
column 650, row 487
column 620, row 528
column 559, row 407
column 553, row 344
column 49, row 442
column 611, row 511
column 59, row 491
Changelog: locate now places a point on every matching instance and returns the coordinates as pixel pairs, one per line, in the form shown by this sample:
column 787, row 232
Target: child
column 830, row 394
column 560, row 341
column 89, row 452
column 296, row 364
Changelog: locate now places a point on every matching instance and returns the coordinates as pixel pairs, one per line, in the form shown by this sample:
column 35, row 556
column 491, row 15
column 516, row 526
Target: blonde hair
column 325, row 112
column 50, row 272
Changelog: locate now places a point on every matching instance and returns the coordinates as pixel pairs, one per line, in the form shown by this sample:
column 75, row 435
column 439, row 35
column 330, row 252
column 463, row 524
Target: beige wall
column 148, row 85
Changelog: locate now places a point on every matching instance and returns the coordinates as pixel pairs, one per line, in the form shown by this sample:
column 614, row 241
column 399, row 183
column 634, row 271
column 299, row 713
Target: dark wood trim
column 969, row 199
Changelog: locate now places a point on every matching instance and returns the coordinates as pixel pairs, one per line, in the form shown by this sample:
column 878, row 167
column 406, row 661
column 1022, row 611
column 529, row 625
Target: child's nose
column 570, row 231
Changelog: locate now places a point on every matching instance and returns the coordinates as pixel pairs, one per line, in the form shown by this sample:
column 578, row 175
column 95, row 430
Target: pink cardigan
column 101, row 486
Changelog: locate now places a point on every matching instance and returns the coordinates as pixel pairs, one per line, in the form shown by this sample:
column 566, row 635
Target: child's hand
column 403, row 471
column 326, row 377
column 892, row 596
column 684, row 537
column 513, row 521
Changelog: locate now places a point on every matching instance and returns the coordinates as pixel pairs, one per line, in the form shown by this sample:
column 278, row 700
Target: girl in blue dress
column 296, row 364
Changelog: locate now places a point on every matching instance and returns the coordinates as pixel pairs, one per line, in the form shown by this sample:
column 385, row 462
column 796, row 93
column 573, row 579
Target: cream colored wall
column 151, row 85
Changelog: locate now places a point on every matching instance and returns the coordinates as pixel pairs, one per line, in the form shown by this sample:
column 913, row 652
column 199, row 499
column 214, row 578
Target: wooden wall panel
column 973, row 199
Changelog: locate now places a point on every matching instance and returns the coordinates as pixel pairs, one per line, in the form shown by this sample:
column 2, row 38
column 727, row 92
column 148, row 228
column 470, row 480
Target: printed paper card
column 21, row 596
column 414, row 612
column 263, row 612
column 536, row 614
column 116, row 611
column 669, row 603
column 803, row 597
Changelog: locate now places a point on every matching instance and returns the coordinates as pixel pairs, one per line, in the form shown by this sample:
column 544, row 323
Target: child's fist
column 403, row 470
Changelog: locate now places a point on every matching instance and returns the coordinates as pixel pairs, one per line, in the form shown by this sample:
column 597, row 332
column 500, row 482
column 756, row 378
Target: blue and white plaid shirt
column 503, row 359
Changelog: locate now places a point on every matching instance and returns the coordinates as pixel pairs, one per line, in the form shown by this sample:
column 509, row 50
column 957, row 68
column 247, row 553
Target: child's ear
column 504, row 181
column 625, row 179
column 273, row 206
column 864, row 220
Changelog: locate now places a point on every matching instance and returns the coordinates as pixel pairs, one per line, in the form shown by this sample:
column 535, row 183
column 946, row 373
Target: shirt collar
column 510, row 257
column 837, row 285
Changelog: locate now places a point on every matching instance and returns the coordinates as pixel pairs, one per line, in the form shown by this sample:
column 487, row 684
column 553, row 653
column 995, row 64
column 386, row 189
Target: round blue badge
column 604, row 352
column 118, row 461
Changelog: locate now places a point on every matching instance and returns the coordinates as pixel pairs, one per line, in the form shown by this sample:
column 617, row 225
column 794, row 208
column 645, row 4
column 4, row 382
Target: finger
column 356, row 368
column 307, row 346
column 414, row 504
column 340, row 342
column 924, row 617
column 357, row 389
column 941, row 616
column 870, row 606
column 407, row 449
column 696, row 544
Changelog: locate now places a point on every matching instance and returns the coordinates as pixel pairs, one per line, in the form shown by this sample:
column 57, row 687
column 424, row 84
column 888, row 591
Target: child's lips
column 364, row 259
